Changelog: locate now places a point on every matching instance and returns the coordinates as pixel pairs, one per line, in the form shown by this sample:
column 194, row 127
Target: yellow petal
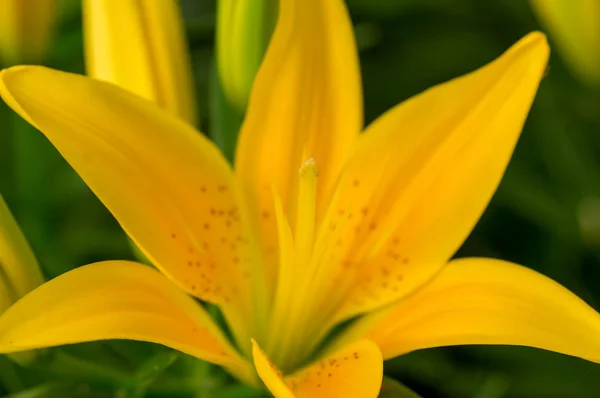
column 575, row 26
column 141, row 46
column 280, row 319
column 7, row 297
column 421, row 177
column 306, row 98
column 20, row 270
column 116, row 300
column 485, row 301
column 355, row 371
column 26, row 29
column 270, row 375
column 167, row 185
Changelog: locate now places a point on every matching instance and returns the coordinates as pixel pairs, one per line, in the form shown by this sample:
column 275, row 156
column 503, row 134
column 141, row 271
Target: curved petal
column 485, row 301
column 422, row 176
column 306, row 101
column 354, row 371
column 18, row 265
column 166, row 184
column 116, row 300
column 269, row 374
column 141, row 46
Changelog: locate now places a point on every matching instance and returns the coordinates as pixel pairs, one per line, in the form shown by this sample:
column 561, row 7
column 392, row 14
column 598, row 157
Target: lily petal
column 270, row 375
column 422, row 176
column 354, row 371
column 20, row 269
column 306, row 99
column 116, row 300
column 485, row 301
column 166, row 184
column 141, row 46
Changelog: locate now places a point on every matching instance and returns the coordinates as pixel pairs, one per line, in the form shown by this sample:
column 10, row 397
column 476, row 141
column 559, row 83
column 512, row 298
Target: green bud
column 26, row 29
column 244, row 28
column 574, row 26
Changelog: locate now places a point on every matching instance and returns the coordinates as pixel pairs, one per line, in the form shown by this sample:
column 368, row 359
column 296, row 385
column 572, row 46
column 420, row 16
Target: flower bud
column 244, row 28
column 141, row 46
column 26, row 29
column 575, row 27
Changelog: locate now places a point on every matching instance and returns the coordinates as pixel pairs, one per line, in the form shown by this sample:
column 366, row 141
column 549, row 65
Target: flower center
column 290, row 311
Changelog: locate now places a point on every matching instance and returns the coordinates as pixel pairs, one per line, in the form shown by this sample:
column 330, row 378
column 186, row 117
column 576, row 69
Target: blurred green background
column 546, row 213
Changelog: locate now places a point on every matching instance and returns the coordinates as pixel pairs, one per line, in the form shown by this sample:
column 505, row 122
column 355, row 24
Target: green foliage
column 391, row 388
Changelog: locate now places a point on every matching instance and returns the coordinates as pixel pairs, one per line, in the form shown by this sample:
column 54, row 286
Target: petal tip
column 536, row 37
column 9, row 76
column 256, row 350
column 536, row 41
column 7, row 72
column 531, row 52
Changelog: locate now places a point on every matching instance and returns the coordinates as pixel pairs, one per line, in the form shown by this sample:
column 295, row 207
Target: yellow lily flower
column 141, row 46
column 26, row 28
column 316, row 225
column 575, row 26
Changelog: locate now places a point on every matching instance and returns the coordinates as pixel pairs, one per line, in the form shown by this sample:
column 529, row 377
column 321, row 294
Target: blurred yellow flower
column 141, row 46
column 244, row 28
column 316, row 225
column 19, row 270
column 26, row 30
column 575, row 26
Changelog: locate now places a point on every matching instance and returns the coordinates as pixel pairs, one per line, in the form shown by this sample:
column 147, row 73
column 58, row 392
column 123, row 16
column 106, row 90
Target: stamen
column 305, row 217
column 296, row 250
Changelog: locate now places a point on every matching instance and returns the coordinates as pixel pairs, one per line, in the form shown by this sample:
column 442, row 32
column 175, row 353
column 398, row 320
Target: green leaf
column 391, row 388
column 239, row 391
column 50, row 390
column 148, row 372
column 59, row 362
